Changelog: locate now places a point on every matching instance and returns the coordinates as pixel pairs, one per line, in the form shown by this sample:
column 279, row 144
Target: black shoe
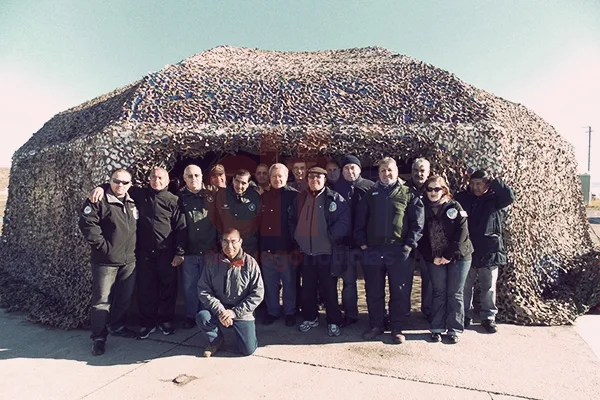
column 453, row 338
column 167, row 328
column 145, row 331
column 372, row 333
column 489, row 325
column 348, row 321
column 290, row 320
column 98, row 348
column 467, row 322
column 189, row 323
column 269, row 319
column 436, row 337
column 125, row 332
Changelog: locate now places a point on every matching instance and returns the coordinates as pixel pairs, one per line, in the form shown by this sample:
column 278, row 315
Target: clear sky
column 544, row 54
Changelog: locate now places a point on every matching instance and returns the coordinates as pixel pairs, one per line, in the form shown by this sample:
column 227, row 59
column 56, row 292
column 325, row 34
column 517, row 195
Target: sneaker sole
column 307, row 328
column 148, row 334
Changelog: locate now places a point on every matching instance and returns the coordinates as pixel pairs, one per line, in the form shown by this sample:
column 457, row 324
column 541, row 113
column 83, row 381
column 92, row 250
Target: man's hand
column 226, row 318
column 96, row 195
column 440, row 261
column 363, row 247
column 177, row 260
column 407, row 248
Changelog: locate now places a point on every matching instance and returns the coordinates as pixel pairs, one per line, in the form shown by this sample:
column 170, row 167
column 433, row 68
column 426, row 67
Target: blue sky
column 544, row 54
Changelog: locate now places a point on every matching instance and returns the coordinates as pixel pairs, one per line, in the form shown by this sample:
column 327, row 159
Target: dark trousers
column 349, row 288
column 157, row 288
column 316, row 273
column 390, row 260
column 245, row 331
column 112, row 289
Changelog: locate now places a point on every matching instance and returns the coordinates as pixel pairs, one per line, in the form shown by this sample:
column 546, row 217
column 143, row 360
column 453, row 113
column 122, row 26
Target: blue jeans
column 278, row 267
column 488, row 277
column 245, row 331
column 448, row 283
column 112, row 289
column 390, row 260
column 191, row 270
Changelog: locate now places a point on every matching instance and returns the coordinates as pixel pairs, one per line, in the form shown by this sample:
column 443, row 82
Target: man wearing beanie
column 351, row 187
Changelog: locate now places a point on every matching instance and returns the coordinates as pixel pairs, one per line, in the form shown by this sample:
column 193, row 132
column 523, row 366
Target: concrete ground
column 518, row 362
column 37, row 362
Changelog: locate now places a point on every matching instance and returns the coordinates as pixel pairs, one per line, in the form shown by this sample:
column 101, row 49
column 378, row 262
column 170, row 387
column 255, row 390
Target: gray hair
column 280, row 166
column 387, row 161
column 421, row 161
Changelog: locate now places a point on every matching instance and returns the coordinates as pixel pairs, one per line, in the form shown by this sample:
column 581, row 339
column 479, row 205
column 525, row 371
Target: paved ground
column 519, row 362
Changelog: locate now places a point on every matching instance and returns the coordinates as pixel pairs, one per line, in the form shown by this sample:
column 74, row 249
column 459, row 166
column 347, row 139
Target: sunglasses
column 434, row 189
column 120, row 182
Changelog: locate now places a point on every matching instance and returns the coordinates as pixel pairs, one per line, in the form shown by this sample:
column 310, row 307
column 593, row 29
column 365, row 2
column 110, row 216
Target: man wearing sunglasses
column 230, row 289
column 389, row 223
column 161, row 240
column 109, row 226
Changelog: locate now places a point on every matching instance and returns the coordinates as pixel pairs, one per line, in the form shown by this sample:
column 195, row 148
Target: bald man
column 161, row 241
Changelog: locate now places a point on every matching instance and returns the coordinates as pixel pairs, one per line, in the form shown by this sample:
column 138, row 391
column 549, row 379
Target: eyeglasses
column 434, row 189
column 230, row 242
column 194, row 175
column 120, row 182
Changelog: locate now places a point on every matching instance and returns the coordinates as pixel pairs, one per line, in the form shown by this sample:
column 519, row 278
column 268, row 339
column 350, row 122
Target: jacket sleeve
column 178, row 225
column 415, row 218
column 213, row 211
column 341, row 227
column 459, row 235
column 89, row 224
column 206, row 293
column 360, row 221
column 292, row 214
column 255, row 294
column 504, row 194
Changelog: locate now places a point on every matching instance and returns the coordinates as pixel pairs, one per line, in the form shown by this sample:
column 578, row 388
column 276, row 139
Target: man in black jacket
column 483, row 202
column 389, row 223
column 319, row 221
column 276, row 245
column 109, row 226
column 161, row 238
column 353, row 188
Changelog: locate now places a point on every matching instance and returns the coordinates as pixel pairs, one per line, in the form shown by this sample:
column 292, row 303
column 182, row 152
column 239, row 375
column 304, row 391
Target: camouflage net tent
column 370, row 102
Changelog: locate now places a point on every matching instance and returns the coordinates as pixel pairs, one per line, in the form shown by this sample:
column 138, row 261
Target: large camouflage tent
column 369, row 101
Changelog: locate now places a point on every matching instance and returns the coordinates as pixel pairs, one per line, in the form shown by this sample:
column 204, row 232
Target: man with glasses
column 237, row 206
column 389, row 223
column 109, row 226
column 319, row 221
column 161, row 237
column 230, row 289
column 353, row 188
column 197, row 204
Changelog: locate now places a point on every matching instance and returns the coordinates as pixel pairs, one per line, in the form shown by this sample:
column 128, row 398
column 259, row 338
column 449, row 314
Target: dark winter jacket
column 273, row 220
column 109, row 226
column 198, row 210
column 337, row 215
column 161, row 227
column 485, row 222
column 453, row 220
column 389, row 215
column 353, row 192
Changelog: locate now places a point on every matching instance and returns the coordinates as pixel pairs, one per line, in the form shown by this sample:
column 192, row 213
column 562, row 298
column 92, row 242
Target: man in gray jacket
column 230, row 289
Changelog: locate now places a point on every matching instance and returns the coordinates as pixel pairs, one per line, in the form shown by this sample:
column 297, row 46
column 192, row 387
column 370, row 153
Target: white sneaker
column 306, row 326
column 333, row 330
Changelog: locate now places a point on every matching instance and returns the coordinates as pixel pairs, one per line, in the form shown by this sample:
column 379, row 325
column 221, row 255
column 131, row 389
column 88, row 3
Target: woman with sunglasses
column 447, row 249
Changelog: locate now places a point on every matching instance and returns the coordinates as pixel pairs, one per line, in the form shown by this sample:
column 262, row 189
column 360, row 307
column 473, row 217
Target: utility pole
column 589, row 147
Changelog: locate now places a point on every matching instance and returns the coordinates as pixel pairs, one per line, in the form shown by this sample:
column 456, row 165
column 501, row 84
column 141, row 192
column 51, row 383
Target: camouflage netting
column 369, row 102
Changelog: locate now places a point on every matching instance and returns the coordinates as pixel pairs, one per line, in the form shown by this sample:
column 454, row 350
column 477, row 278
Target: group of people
column 248, row 242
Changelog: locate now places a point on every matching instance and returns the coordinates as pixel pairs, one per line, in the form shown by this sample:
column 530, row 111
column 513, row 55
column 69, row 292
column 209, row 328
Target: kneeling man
column 230, row 289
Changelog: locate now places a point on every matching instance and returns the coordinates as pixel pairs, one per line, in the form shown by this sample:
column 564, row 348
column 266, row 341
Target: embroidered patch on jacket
column 251, row 206
column 332, row 206
column 210, row 199
column 452, row 213
column 136, row 213
column 87, row 210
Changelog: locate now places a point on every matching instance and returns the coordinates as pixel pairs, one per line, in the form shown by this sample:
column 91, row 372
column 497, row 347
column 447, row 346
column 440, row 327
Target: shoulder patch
column 210, row 199
column 87, row 210
column 136, row 213
column 332, row 206
column 251, row 206
column 452, row 213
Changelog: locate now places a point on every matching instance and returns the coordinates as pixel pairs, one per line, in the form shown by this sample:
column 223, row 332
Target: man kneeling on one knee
column 230, row 289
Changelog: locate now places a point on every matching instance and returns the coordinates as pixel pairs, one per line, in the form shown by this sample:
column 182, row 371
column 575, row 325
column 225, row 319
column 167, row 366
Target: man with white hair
column 197, row 205
column 276, row 245
column 389, row 223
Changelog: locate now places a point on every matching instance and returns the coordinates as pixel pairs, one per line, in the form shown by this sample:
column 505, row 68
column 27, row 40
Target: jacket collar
column 112, row 199
column 237, row 262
